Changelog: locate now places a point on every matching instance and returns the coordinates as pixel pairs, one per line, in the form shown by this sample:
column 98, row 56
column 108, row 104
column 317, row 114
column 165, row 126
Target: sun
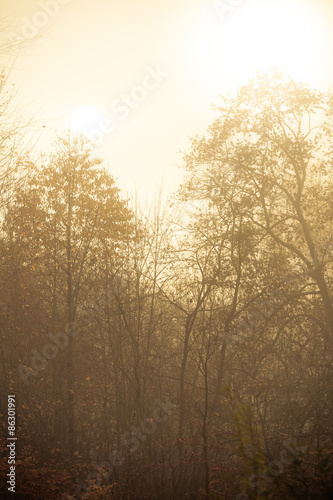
column 85, row 118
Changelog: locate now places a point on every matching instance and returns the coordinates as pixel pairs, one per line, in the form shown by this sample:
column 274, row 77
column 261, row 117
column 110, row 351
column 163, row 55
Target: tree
column 258, row 183
column 70, row 214
column 269, row 150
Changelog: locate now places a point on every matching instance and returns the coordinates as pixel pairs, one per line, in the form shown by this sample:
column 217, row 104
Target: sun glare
column 256, row 35
column 272, row 35
column 84, row 118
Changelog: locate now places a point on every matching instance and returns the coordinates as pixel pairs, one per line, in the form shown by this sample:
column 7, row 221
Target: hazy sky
column 152, row 68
